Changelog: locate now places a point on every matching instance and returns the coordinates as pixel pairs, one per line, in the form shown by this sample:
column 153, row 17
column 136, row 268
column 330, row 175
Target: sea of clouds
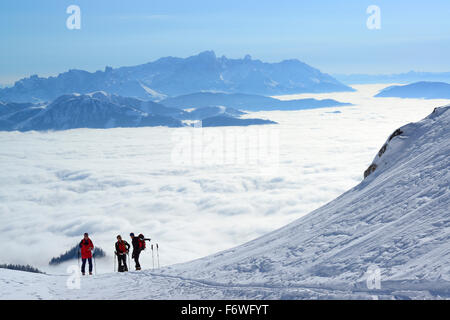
column 193, row 191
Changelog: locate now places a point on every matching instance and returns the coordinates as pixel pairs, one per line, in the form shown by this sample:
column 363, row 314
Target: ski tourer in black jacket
column 136, row 247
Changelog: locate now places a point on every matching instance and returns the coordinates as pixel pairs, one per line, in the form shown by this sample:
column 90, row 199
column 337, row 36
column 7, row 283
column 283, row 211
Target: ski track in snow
column 151, row 285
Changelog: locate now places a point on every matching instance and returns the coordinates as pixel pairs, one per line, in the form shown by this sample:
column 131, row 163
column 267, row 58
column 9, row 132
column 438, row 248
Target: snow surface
column 396, row 220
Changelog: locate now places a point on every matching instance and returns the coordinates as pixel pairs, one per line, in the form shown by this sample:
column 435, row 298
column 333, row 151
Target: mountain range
column 171, row 76
column 103, row 110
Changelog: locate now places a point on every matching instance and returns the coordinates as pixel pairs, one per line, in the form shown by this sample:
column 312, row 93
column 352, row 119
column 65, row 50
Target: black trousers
column 122, row 258
column 135, row 256
column 83, row 265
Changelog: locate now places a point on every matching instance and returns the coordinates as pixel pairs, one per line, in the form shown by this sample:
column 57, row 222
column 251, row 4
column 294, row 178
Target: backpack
column 122, row 247
column 141, row 242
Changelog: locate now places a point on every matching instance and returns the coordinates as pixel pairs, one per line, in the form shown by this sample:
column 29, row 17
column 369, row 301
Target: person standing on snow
column 122, row 248
column 86, row 248
column 136, row 250
column 138, row 246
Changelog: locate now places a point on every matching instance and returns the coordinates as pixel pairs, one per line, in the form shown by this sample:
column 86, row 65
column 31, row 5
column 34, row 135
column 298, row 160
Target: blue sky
column 330, row 35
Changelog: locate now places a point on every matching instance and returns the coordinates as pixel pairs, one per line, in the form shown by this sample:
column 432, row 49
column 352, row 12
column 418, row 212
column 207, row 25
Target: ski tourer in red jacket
column 86, row 247
column 122, row 248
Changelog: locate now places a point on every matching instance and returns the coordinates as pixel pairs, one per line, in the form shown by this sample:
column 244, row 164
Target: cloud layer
column 56, row 186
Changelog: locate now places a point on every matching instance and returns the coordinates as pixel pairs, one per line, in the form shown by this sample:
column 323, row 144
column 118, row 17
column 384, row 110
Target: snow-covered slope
column 397, row 221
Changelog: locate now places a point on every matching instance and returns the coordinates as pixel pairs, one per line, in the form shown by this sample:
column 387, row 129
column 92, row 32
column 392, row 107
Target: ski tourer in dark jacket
column 135, row 243
column 138, row 246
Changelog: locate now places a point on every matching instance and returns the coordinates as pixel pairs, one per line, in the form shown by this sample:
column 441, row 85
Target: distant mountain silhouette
column 176, row 76
column 426, row 90
column 245, row 102
column 221, row 121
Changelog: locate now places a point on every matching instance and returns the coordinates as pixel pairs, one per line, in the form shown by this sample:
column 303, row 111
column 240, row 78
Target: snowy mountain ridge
column 172, row 76
column 95, row 110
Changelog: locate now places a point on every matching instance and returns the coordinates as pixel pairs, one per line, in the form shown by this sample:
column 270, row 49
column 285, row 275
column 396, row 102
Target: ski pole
column 153, row 258
column 157, row 253
column 78, row 253
column 115, row 254
column 95, row 264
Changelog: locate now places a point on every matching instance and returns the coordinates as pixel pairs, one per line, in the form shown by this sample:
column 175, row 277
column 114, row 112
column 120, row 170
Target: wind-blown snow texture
column 397, row 219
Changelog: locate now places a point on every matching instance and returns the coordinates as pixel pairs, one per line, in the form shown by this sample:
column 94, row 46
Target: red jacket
column 86, row 247
column 122, row 247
